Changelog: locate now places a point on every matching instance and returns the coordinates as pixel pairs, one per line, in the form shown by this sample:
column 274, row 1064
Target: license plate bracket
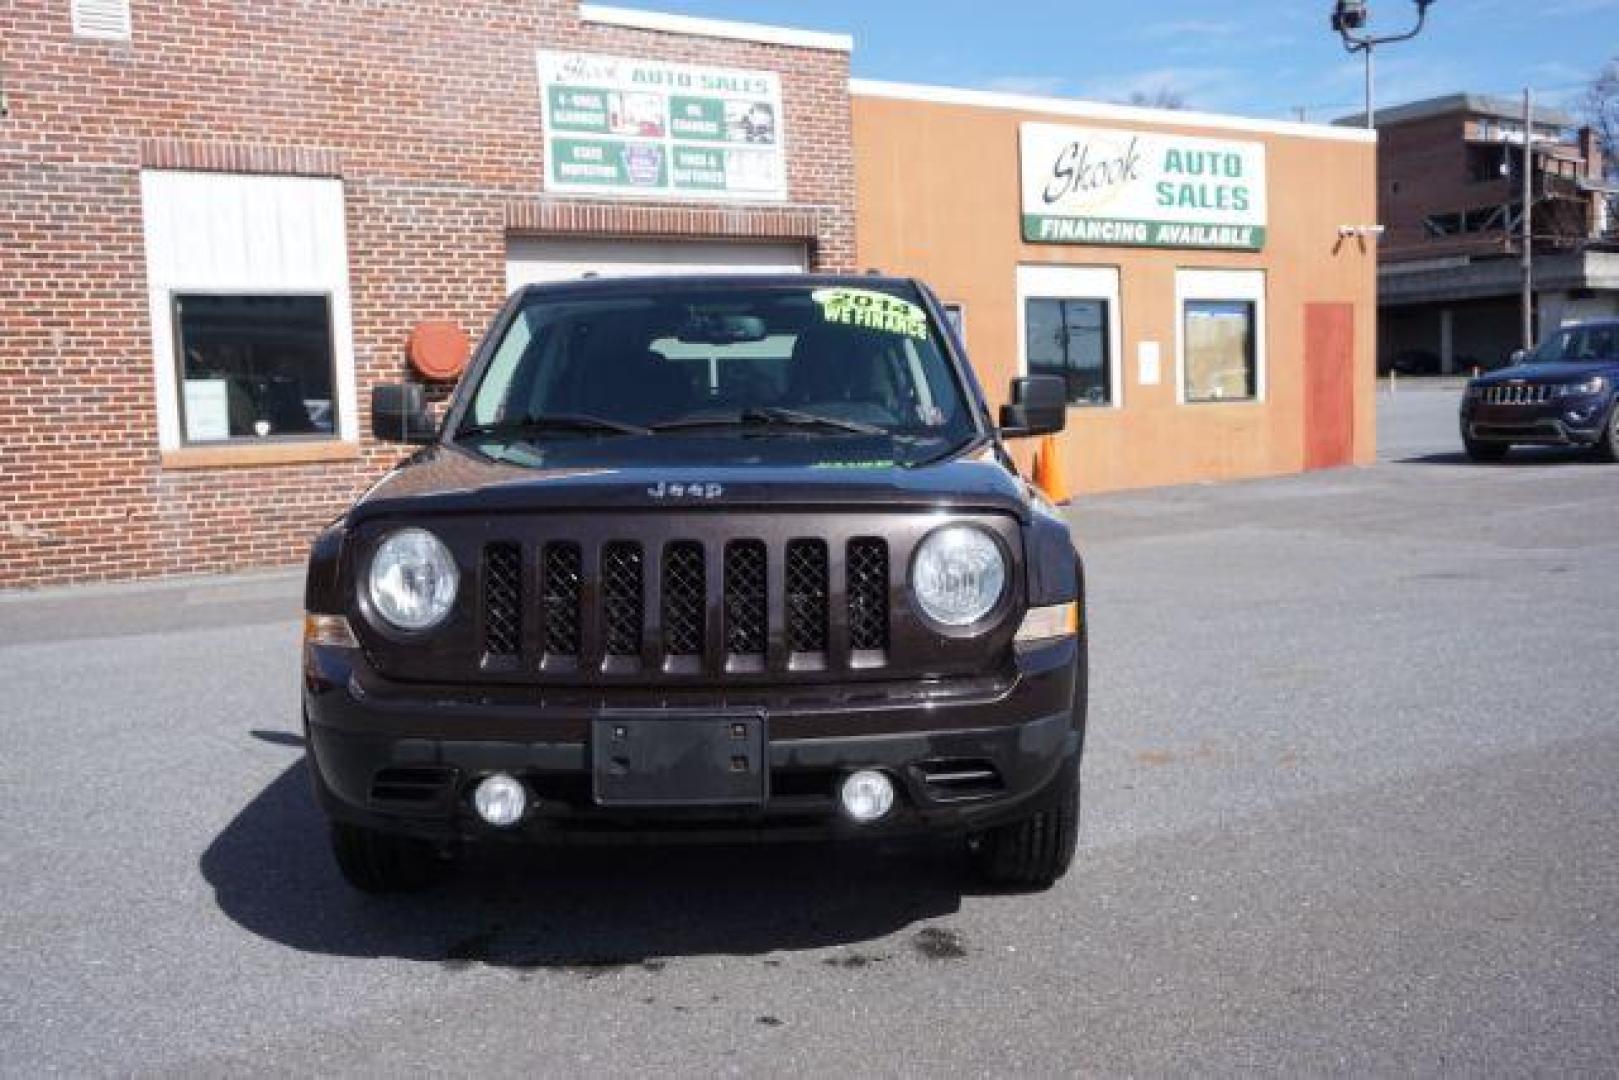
column 652, row 760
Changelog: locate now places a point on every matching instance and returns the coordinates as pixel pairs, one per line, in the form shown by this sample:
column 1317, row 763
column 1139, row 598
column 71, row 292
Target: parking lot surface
column 1349, row 807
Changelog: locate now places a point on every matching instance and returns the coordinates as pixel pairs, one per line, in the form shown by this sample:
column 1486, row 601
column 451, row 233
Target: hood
column 453, row 479
column 1558, row 372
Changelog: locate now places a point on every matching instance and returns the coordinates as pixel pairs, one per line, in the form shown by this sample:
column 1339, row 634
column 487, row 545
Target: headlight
column 1594, row 385
column 958, row 575
column 413, row 580
column 1474, row 391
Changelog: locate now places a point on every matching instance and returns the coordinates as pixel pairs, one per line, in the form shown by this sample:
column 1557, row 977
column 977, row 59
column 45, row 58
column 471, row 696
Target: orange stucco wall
column 938, row 197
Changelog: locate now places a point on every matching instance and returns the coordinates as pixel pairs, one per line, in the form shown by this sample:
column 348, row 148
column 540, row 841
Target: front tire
column 1036, row 850
column 1485, row 451
column 378, row 863
column 1607, row 447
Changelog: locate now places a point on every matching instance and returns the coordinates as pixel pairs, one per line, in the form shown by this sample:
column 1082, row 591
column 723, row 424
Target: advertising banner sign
column 1141, row 189
column 618, row 126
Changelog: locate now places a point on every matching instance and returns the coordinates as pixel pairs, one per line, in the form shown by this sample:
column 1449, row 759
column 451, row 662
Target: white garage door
column 531, row 262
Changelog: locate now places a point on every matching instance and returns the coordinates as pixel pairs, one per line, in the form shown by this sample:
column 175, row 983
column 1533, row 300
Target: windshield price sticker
column 871, row 310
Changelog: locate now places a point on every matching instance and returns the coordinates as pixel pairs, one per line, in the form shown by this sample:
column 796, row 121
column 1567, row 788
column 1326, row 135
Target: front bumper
column 1566, row 422
column 405, row 759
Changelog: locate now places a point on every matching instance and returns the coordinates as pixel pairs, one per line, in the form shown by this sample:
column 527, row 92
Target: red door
column 1329, row 385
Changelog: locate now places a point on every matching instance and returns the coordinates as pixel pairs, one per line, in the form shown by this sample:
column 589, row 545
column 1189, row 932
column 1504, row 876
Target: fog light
column 500, row 800
column 867, row 796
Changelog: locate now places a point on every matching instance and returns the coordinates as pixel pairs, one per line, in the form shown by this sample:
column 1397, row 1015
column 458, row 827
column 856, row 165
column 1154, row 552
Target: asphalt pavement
column 1349, row 808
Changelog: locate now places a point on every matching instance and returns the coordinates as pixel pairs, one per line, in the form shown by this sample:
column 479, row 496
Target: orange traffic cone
column 1049, row 475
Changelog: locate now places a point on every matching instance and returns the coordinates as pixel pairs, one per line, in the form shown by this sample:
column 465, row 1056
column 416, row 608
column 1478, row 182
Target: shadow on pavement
column 1520, row 456
column 584, row 909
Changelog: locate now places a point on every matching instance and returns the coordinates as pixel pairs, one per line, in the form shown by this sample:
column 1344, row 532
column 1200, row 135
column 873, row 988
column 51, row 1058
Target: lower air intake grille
column 502, row 599
column 806, row 596
column 745, row 607
column 684, row 592
column 621, row 598
column 424, row 786
column 960, row 780
column 868, row 593
column 561, row 599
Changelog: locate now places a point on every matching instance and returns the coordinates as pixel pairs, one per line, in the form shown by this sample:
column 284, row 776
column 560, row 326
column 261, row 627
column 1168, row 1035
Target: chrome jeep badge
column 665, row 490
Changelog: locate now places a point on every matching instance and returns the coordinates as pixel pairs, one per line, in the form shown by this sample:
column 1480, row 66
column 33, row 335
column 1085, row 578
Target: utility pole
column 1349, row 17
column 1527, row 216
column 1371, row 95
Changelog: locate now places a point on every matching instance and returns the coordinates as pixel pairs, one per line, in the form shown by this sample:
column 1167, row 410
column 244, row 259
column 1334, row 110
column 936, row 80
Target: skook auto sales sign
column 1141, row 189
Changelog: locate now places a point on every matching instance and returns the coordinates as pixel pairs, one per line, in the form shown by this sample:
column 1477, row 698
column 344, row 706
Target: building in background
column 222, row 224
column 1198, row 279
column 1450, row 188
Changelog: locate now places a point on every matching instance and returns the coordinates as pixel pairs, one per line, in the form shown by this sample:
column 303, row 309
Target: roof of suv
column 662, row 282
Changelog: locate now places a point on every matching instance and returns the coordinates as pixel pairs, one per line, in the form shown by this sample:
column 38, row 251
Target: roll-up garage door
column 536, row 261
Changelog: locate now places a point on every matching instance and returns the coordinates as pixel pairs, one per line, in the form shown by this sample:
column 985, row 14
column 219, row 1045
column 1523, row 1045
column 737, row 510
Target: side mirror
column 1038, row 406
column 1519, row 356
column 399, row 414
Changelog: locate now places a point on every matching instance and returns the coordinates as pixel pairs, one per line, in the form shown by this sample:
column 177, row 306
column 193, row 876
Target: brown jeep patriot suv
column 704, row 556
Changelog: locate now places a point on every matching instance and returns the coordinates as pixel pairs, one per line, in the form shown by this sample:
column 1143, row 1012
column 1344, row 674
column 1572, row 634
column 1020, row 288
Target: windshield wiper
column 542, row 423
column 953, row 450
column 769, row 416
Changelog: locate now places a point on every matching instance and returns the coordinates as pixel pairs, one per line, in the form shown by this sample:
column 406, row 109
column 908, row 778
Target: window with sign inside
column 254, row 367
column 1221, row 339
column 1220, row 360
column 1069, row 338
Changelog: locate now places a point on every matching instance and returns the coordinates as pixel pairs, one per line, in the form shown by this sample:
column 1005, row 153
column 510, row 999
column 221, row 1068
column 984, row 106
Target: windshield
column 1575, row 343
column 802, row 362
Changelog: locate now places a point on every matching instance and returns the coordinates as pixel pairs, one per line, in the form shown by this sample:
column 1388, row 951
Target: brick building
column 221, row 224
column 1450, row 180
column 416, row 124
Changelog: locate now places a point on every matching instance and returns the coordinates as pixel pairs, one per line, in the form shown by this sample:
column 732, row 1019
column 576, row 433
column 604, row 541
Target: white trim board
column 234, row 233
column 1096, row 110
column 536, row 260
column 606, row 15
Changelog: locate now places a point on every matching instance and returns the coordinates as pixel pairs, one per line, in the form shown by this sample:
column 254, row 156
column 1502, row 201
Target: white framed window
column 107, row 20
column 1069, row 325
column 252, row 326
column 1219, row 336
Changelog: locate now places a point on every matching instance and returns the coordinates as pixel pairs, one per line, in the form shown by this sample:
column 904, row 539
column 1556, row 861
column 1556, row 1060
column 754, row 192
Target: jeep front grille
column 806, row 596
column 630, row 605
column 746, row 598
column 622, row 598
column 502, row 600
column 560, row 599
column 1517, row 394
column 685, row 591
column 868, row 593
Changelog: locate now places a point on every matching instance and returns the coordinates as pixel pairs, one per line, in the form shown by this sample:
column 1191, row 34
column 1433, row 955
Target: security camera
column 1349, row 15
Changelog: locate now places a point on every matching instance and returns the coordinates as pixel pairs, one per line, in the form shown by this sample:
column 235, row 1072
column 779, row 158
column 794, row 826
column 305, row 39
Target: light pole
column 1349, row 19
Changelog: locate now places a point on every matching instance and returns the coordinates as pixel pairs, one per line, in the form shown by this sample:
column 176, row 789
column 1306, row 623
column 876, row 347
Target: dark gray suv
column 687, row 557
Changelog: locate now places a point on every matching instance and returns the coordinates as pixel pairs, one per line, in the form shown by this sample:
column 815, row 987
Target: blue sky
column 1254, row 57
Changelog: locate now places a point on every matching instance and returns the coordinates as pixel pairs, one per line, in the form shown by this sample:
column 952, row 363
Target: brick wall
column 428, row 111
column 1422, row 170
